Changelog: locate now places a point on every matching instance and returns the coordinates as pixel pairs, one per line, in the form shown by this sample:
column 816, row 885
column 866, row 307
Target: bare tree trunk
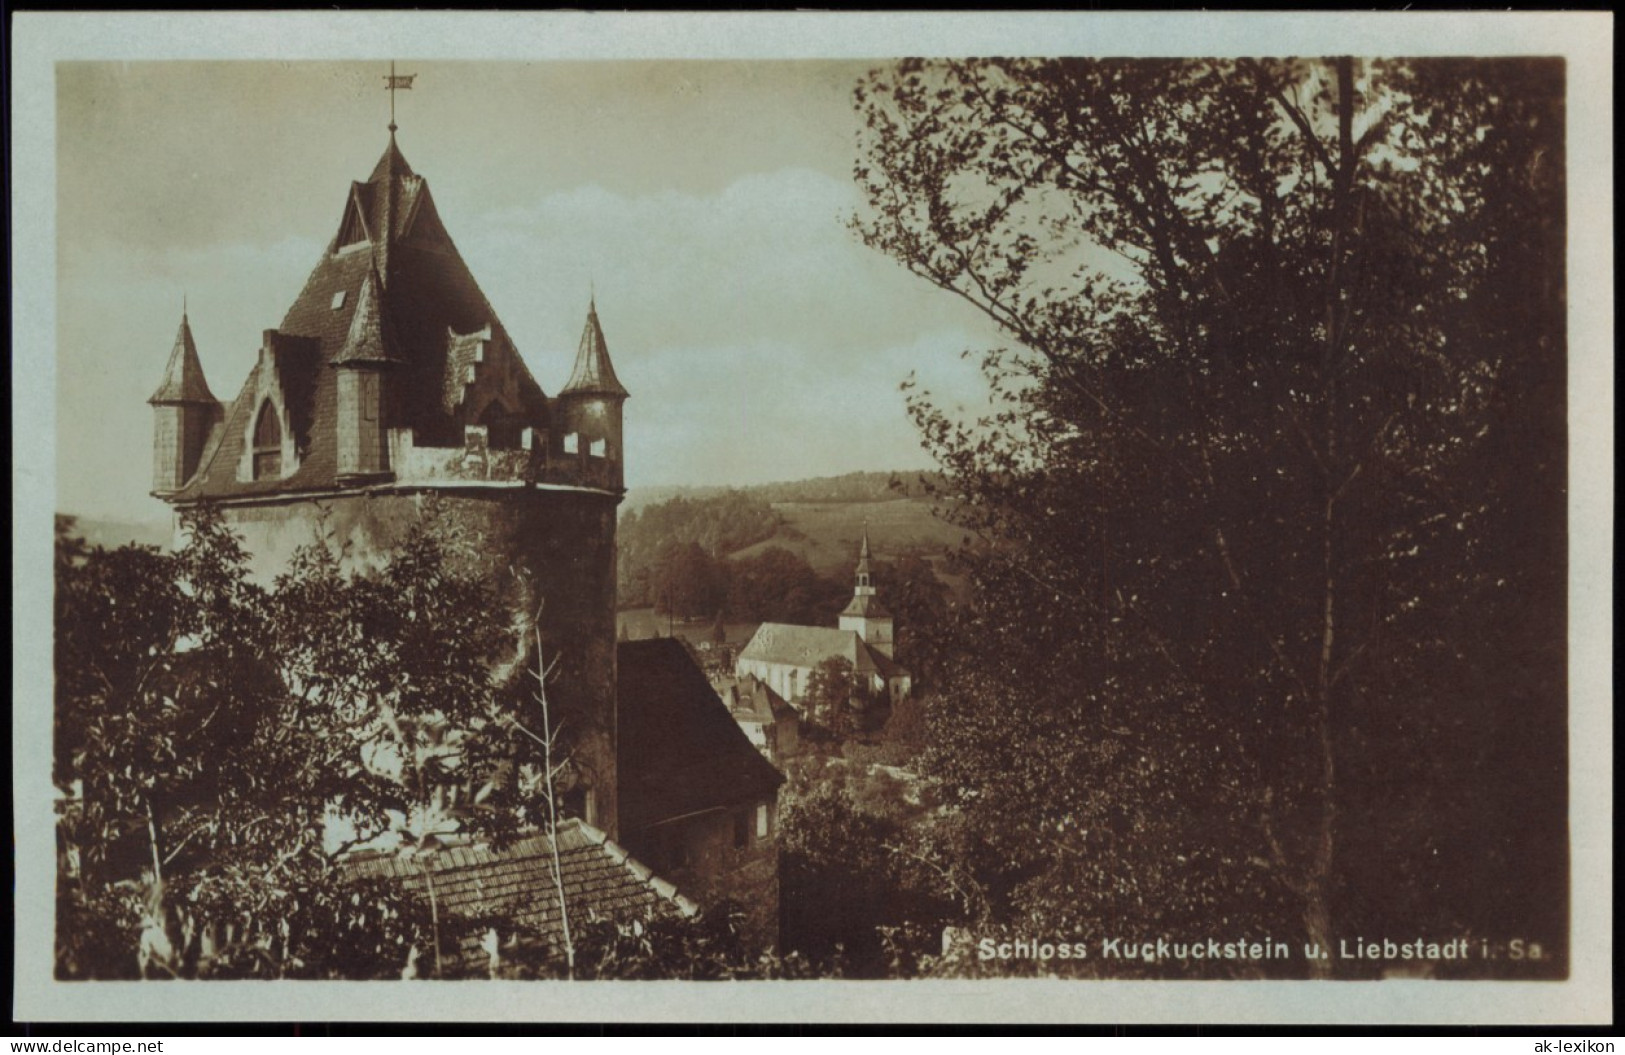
column 550, row 772
column 434, row 921
column 1317, row 881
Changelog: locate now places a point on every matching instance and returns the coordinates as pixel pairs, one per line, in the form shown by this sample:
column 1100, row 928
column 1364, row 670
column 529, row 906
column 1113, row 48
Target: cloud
column 117, row 313
column 767, row 257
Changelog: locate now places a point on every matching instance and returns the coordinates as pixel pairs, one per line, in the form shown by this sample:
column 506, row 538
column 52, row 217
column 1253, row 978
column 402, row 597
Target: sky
column 703, row 203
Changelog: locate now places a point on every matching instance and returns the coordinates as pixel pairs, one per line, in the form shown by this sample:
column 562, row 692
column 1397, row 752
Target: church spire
column 865, row 585
column 183, row 377
column 864, row 614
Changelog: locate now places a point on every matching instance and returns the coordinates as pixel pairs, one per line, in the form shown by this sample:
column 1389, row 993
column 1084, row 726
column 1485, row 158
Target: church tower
column 589, row 408
column 865, row 615
column 184, row 414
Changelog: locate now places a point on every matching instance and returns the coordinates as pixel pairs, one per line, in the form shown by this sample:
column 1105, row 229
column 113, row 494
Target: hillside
column 826, row 534
column 707, row 551
column 849, row 487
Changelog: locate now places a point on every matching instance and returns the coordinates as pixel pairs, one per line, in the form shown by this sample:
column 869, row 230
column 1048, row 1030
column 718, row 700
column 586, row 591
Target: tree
column 779, row 586
column 846, row 873
column 720, row 524
column 687, row 581
column 917, row 599
column 212, row 738
column 195, row 786
column 1256, row 519
column 835, row 694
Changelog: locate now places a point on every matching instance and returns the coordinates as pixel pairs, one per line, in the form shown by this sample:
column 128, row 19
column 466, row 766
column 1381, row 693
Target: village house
column 767, row 719
column 391, row 391
column 784, row 655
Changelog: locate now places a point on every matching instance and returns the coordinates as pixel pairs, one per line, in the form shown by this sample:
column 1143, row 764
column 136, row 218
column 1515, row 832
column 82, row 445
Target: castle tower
column 865, row 615
column 365, row 363
column 390, row 395
column 589, row 407
column 184, row 414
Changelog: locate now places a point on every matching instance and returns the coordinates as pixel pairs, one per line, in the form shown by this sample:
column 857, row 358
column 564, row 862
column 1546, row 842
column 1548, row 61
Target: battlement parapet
column 476, row 461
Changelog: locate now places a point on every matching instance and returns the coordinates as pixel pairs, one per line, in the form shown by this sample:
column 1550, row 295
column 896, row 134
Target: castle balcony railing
column 477, row 461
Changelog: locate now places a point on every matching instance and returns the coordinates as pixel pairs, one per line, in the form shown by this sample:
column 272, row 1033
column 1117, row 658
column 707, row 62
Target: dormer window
column 353, row 228
column 338, row 300
column 267, row 444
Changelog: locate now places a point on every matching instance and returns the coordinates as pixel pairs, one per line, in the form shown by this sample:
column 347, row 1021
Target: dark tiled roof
column 749, row 698
column 516, row 885
column 392, row 163
column 884, row 665
column 593, row 373
column 808, row 646
column 183, row 377
column 680, row 750
column 427, row 290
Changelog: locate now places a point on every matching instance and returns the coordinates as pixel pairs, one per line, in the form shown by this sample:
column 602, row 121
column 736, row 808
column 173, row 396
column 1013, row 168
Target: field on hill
column 827, row 534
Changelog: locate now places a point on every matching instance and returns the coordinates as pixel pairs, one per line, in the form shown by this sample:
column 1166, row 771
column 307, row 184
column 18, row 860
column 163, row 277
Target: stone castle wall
column 563, row 539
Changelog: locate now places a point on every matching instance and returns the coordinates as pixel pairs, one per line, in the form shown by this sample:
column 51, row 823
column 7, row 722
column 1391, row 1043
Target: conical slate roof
column 183, row 377
column 593, row 373
column 389, row 287
column 392, row 163
column 370, row 338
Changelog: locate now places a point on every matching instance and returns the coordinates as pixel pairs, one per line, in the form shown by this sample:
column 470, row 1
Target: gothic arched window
column 267, row 444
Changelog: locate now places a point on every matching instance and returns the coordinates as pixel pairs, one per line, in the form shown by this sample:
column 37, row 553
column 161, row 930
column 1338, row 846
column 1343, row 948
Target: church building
column 784, row 655
column 390, row 392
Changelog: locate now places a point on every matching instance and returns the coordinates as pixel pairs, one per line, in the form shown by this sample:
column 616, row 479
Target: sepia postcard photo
column 1039, row 518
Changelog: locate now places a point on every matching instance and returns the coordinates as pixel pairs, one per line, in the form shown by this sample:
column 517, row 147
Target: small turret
column 589, row 408
column 364, row 364
column 184, row 413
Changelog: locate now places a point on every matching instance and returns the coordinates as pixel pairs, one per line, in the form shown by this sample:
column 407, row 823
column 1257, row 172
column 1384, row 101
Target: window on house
column 338, row 300
column 572, row 443
column 741, row 830
column 763, row 821
column 267, row 444
column 597, row 448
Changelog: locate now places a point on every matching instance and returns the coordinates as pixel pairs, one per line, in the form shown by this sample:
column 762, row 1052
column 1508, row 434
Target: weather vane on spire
column 391, row 83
